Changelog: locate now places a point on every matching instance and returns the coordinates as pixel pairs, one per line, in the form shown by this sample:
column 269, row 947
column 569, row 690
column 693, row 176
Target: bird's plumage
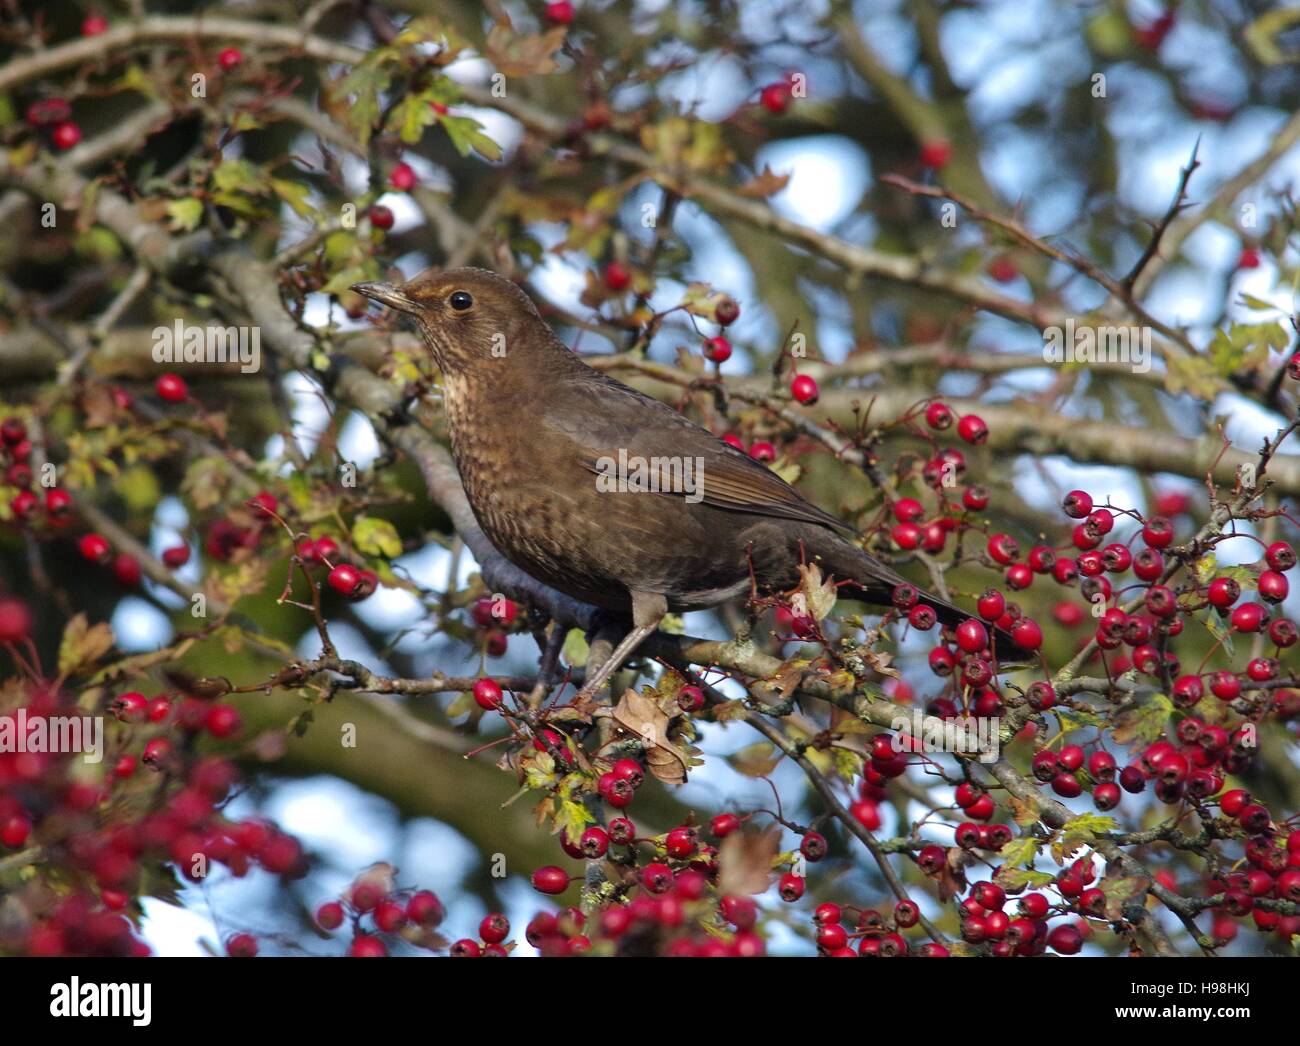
column 534, row 430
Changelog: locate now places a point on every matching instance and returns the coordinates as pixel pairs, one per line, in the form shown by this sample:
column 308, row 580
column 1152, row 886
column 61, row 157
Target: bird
column 607, row 494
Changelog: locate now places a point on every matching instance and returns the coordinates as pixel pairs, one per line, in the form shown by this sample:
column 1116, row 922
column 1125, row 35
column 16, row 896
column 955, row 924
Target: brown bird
column 552, row 453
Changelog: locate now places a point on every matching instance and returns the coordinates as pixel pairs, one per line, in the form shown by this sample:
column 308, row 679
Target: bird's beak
column 386, row 294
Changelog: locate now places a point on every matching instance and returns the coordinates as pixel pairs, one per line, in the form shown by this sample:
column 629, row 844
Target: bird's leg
column 648, row 609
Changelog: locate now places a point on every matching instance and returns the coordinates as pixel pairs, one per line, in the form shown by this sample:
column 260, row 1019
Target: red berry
column 425, row 909
column 1019, row 576
column 1158, row 532
column 129, row 707
column 242, row 946
column 13, row 432
column 972, row 429
column 1249, row 617
column 345, row 579
column 329, row 916
column 906, row 536
column 991, row 605
column 791, row 887
column 938, row 416
column 681, row 843
column 617, row 276
column 126, row 568
column 223, row 721
column 368, row 946
column 230, row 57
column 726, row 311
column 1273, row 586
column 935, row 153
column 58, row 506
column 1223, row 592
column 908, row 510
column 1004, row 549
column 775, row 98
column 14, row 831
column 1003, row 269
column 804, row 389
column 594, row 843
column 381, row 217
column 171, row 388
column 1279, row 555
column 487, row 694
column 66, row 135
column 1065, row 939
column 550, row 879
column 25, row 505
column 559, row 13
column 94, row 24
column 1077, row 504
column 813, row 846
column 831, row 937
column 1027, row 634
column 402, row 177
column 176, row 556
column 629, row 770
column 762, row 451
column 723, row 825
column 1248, row 258
column 1232, row 803
column 972, row 636
column 94, row 547
column 717, row 349
column 690, row 698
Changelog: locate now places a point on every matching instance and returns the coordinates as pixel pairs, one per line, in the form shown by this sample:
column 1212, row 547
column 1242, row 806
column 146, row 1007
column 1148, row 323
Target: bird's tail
column 873, row 582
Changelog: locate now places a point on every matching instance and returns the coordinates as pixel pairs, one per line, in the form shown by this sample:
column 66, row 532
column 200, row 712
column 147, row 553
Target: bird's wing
column 601, row 416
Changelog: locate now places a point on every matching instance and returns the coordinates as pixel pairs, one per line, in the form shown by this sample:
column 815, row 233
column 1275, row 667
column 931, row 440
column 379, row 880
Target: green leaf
column 410, row 117
column 376, row 537
column 1013, row 879
column 575, row 649
column 295, row 195
column 1021, row 850
column 185, row 214
column 362, row 88
column 467, row 135
column 572, row 818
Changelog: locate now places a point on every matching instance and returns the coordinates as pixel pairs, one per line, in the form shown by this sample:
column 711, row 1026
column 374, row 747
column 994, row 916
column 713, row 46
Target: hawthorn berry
column 550, row 879
column 171, row 388
column 618, row 277
column 935, row 153
column 938, row 416
column 488, row 694
column 804, row 390
column 973, row 429
column 402, row 177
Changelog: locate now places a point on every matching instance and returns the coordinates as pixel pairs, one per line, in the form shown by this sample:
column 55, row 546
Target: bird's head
column 468, row 317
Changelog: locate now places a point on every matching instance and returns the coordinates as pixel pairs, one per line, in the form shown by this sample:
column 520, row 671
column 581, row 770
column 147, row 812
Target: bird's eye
column 461, row 300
